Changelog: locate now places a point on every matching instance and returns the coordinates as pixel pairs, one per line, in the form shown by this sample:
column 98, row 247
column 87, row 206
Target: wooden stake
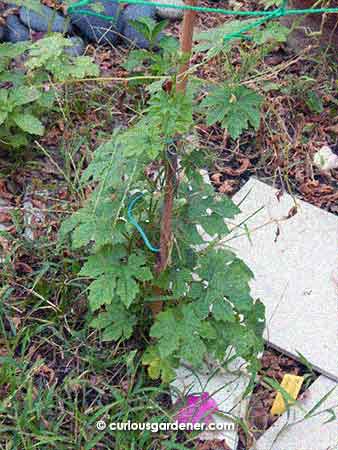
column 171, row 178
column 186, row 44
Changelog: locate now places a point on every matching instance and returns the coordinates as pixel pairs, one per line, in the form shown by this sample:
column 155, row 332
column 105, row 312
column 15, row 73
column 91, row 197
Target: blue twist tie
column 134, row 222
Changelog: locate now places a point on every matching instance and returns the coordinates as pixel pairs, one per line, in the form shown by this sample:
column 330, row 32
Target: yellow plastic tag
column 291, row 384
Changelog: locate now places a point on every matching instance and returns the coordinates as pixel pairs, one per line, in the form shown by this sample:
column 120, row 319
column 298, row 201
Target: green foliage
column 117, row 279
column 170, row 112
column 272, row 32
column 199, row 317
column 235, row 107
column 116, row 323
column 149, row 28
column 314, row 102
column 49, row 55
column 271, row 3
column 12, row 103
column 26, row 97
column 163, row 62
column 213, row 44
column 212, row 41
column 207, row 305
column 34, row 5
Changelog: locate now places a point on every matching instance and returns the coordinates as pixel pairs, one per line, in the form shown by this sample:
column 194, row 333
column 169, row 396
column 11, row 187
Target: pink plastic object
column 199, row 408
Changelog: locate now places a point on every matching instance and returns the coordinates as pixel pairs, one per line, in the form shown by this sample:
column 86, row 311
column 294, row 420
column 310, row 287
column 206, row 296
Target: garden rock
column 100, row 30
column 168, row 13
column 15, row 31
column 292, row 250
column 49, row 20
column 135, row 12
column 77, row 48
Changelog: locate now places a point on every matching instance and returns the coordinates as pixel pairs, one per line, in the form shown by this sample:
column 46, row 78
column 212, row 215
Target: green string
column 265, row 15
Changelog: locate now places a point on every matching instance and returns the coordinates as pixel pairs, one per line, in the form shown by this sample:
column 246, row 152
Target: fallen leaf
column 244, row 165
column 333, row 128
column 228, row 186
column 4, row 217
column 216, row 178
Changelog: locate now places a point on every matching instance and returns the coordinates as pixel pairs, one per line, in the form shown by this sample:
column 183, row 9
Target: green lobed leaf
column 156, row 366
column 102, row 291
column 170, row 112
column 46, row 49
column 177, row 331
column 235, row 107
column 77, row 68
column 124, row 276
column 12, row 50
column 116, row 323
column 103, row 261
column 273, row 31
column 165, row 329
column 135, row 59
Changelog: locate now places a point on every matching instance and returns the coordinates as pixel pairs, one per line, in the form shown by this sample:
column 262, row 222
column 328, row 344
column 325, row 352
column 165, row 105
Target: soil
column 274, row 365
column 325, row 27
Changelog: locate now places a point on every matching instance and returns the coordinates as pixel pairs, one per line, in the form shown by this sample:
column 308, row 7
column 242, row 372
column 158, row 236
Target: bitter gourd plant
column 206, row 305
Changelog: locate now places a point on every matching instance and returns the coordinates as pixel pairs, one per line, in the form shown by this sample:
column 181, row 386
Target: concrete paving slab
column 309, row 434
column 225, row 387
column 295, row 263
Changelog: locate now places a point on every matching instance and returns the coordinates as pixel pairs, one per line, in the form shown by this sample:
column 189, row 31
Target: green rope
column 282, row 10
column 266, row 15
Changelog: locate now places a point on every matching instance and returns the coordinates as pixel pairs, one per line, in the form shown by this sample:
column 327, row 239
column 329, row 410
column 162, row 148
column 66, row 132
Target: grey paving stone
column 309, row 434
column 295, row 265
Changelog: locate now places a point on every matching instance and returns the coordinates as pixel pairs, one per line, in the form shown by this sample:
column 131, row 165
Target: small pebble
column 325, row 159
